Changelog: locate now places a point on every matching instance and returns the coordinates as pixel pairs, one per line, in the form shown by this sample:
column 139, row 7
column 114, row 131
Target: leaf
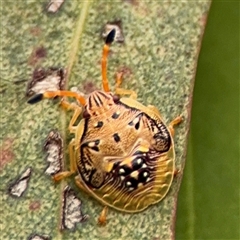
column 208, row 203
column 162, row 42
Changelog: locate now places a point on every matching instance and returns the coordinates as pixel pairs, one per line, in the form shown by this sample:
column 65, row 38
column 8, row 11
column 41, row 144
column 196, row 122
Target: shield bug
column 122, row 150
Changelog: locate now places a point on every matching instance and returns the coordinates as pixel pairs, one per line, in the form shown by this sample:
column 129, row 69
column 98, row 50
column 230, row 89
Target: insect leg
column 121, row 91
column 119, row 77
column 102, row 219
column 173, row 123
column 52, row 94
column 79, row 183
column 77, row 112
column 106, row 48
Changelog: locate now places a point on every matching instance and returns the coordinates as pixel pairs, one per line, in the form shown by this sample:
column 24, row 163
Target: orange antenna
column 52, row 94
column 106, row 47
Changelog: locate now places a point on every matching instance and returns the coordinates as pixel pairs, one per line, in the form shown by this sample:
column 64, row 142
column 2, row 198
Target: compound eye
column 116, row 98
column 85, row 114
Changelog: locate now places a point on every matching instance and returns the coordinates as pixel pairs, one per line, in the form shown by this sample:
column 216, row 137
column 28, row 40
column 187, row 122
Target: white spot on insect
column 139, row 161
column 122, row 178
column 140, row 185
column 128, row 183
column 18, row 187
column 71, row 211
column 145, row 174
column 121, row 170
column 135, row 121
column 148, row 179
column 91, row 144
column 144, row 165
column 131, row 189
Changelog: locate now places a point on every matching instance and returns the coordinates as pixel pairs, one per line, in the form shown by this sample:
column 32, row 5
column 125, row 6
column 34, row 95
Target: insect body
column 122, row 150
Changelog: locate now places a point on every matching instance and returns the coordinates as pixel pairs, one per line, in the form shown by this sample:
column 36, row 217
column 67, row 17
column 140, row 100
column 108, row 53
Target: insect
column 122, row 150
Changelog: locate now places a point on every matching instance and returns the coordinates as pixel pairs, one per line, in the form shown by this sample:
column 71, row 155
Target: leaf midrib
column 75, row 45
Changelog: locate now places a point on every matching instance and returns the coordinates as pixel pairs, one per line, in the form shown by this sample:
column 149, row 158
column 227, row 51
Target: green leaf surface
column 162, row 41
column 208, row 203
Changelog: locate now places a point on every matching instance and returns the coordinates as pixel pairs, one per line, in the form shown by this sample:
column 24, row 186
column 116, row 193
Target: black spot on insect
column 116, row 165
column 131, row 183
column 143, row 176
column 130, row 123
column 115, row 115
column 95, row 148
column 99, row 124
column 124, row 170
column 137, row 125
column 137, row 163
column 116, row 137
column 97, row 141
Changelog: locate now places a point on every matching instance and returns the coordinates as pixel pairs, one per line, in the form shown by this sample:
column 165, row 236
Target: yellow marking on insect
column 143, row 149
column 91, row 144
column 134, row 174
column 127, row 162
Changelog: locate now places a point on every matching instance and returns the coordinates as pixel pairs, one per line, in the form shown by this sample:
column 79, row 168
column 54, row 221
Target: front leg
column 77, row 111
column 121, row 91
column 72, row 145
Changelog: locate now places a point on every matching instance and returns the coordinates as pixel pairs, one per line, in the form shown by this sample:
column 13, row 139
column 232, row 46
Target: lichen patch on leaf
column 36, row 236
column 18, row 187
column 54, row 5
column 71, row 210
column 53, row 146
column 35, row 205
column 51, row 79
column 37, row 55
column 88, row 87
column 6, row 152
